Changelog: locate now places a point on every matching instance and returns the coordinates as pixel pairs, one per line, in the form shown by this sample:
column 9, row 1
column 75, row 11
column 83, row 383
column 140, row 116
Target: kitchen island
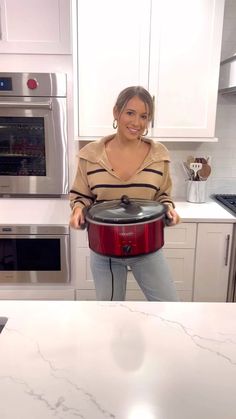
column 121, row 360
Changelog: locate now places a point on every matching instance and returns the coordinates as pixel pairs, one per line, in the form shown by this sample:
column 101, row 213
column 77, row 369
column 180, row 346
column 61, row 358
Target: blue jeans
column 150, row 271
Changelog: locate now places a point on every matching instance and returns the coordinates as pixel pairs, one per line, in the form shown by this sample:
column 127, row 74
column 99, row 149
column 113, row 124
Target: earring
column 115, row 124
column 145, row 133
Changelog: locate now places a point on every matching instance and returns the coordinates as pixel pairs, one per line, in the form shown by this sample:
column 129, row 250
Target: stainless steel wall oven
column 34, row 255
column 33, row 134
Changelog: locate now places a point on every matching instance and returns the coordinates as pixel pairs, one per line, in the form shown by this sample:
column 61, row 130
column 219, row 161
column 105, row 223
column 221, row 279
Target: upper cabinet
column 35, row 27
column 113, row 44
column 172, row 48
column 184, row 66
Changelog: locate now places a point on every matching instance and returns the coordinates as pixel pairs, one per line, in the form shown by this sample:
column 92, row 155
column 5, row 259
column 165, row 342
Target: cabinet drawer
column 181, row 236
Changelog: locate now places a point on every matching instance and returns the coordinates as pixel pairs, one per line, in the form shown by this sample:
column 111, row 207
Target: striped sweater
column 95, row 179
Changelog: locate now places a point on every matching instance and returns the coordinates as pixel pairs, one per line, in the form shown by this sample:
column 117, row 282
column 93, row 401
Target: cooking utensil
column 195, row 167
column 187, row 170
column 190, row 159
column 204, row 172
column 200, row 160
column 126, row 227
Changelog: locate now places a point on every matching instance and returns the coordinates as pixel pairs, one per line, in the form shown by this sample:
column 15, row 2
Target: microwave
column 36, row 254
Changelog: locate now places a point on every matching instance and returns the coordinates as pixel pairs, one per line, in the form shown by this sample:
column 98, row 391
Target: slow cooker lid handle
column 125, row 200
column 131, row 208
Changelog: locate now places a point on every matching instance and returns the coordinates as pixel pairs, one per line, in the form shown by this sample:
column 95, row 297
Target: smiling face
column 132, row 120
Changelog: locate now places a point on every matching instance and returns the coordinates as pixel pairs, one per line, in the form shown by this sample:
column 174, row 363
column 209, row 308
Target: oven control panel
column 33, row 84
column 5, row 83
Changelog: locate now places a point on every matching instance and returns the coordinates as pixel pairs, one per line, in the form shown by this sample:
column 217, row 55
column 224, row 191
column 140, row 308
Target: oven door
column 34, row 259
column 33, row 146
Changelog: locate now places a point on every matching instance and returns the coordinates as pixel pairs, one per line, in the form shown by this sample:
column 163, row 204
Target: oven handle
column 27, row 105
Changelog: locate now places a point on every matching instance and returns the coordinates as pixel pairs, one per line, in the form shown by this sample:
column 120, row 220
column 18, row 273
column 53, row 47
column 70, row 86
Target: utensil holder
column 196, row 191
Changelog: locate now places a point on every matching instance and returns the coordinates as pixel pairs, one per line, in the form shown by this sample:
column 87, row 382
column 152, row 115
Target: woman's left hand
column 172, row 217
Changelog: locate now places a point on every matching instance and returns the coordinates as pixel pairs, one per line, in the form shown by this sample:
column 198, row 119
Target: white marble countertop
column 209, row 211
column 136, row 360
column 57, row 211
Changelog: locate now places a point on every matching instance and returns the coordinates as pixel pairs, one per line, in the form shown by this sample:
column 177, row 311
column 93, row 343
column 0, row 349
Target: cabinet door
column 184, row 66
column 35, row 27
column 131, row 295
column 37, row 294
column 89, row 295
column 181, row 263
column 113, row 53
column 212, row 262
column 83, row 275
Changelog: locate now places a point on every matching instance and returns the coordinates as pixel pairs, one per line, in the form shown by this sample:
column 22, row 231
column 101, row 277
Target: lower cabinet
column 198, row 256
column 212, row 262
column 37, row 294
column 179, row 249
column 89, row 295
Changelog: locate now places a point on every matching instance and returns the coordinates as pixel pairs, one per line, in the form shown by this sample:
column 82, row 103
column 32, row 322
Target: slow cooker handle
column 85, row 225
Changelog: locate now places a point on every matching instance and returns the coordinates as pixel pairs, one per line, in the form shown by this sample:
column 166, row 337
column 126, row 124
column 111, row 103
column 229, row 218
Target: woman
column 126, row 163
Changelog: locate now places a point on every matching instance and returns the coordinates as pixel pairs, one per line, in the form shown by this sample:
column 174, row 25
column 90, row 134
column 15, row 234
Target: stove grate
column 228, row 200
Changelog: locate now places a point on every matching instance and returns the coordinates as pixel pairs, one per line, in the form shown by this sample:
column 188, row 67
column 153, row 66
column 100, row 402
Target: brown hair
column 128, row 93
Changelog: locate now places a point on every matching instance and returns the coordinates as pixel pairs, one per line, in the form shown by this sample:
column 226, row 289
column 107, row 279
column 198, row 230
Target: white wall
column 223, row 153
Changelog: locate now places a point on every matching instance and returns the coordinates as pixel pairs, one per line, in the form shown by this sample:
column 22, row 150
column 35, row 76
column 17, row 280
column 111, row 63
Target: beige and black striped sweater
column 96, row 181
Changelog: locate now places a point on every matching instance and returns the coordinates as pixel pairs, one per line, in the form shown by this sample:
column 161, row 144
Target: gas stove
column 228, row 201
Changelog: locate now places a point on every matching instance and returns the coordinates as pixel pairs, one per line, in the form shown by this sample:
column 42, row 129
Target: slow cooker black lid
column 126, row 211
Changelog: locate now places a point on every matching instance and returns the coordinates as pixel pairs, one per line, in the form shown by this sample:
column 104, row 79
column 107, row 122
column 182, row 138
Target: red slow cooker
column 126, row 227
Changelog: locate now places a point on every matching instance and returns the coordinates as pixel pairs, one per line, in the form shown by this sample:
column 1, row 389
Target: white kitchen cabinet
column 179, row 250
column 90, row 295
column 184, row 74
column 212, row 262
column 172, row 48
column 37, row 294
column 35, row 27
column 113, row 44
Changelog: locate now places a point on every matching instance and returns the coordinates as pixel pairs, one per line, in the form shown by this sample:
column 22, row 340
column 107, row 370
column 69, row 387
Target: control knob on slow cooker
column 127, row 248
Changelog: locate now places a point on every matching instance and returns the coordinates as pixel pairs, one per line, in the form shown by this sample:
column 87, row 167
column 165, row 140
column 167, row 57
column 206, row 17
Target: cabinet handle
column 153, row 101
column 227, row 249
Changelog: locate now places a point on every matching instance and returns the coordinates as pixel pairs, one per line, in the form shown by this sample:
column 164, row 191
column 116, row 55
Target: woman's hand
column 172, row 217
column 77, row 219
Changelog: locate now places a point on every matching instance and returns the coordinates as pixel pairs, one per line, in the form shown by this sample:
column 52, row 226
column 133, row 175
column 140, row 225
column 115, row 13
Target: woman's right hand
column 77, row 219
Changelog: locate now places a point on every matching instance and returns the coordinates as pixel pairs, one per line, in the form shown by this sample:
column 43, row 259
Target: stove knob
column 127, row 248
